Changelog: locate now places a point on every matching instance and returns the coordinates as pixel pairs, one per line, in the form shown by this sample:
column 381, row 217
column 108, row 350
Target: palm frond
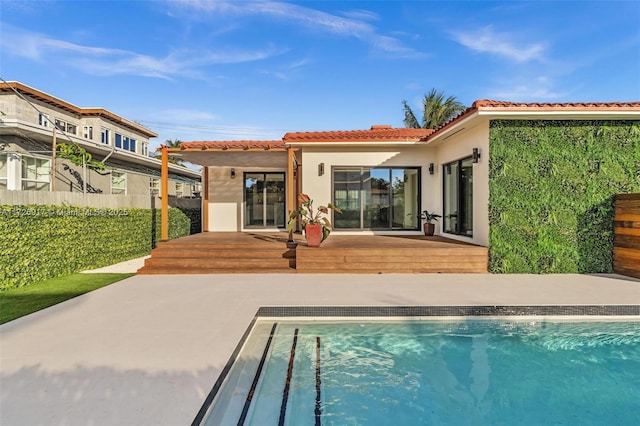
column 410, row 120
column 436, row 110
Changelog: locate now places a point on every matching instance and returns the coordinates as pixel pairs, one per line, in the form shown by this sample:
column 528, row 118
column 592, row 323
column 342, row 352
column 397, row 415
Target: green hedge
column 551, row 193
column 41, row 242
column 195, row 216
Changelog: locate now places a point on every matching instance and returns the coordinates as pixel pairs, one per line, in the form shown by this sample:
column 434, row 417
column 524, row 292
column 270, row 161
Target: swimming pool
column 446, row 372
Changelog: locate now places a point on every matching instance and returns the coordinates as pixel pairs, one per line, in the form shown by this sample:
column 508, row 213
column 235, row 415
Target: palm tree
column 436, row 110
column 171, row 143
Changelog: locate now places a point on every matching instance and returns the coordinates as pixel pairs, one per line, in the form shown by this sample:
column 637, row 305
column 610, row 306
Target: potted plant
column 429, row 227
column 316, row 226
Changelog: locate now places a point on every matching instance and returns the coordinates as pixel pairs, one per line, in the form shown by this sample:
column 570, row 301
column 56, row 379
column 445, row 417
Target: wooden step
column 240, row 246
column 199, row 271
column 223, row 253
column 218, row 263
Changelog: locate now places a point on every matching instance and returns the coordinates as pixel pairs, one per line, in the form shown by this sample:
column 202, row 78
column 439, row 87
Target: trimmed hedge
column 41, row 242
column 551, row 186
column 195, row 216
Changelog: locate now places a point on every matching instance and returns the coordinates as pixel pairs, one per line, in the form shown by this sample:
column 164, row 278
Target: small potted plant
column 316, row 226
column 429, row 227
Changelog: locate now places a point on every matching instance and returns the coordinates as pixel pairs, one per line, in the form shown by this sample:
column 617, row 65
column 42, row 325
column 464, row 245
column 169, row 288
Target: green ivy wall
column 551, row 186
column 40, row 242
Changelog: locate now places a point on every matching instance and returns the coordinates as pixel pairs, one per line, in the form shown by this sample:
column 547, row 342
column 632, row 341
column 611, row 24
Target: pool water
column 480, row 372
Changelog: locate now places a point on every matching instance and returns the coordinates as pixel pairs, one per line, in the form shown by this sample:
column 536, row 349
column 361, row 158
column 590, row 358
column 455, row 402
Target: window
column 264, row 197
column 3, row 171
column 43, row 120
column 154, row 186
column 196, row 189
column 458, row 197
column 145, row 149
column 118, row 183
column 87, row 132
column 36, row 174
column 179, row 189
column 376, row 198
column 66, row 127
column 105, row 136
column 125, row 142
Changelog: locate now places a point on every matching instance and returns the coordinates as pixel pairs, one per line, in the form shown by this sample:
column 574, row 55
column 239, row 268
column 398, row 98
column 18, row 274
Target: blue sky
column 214, row 70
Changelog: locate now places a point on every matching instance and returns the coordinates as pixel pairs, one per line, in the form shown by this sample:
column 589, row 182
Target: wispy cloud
column 362, row 14
column 108, row 61
column 486, row 40
column 352, row 24
column 288, row 71
column 539, row 89
column 178, row 115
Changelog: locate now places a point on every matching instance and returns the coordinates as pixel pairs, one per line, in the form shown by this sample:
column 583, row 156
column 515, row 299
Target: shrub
column 41, row 242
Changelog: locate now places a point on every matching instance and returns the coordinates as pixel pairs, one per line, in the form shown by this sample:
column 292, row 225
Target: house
column 31, row 122
column 533, row 182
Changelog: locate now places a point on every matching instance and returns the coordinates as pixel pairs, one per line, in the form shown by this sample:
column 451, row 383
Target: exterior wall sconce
column 432, row 168
column 320, row 169
column 233, row 173
column 476, row 155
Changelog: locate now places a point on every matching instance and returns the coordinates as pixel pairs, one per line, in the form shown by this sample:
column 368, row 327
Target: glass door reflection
column 264, row 196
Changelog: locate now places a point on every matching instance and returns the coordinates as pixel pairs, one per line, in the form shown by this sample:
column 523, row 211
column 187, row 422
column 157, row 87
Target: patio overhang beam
column 164, row 190
column 227, row 149
column 291, row 192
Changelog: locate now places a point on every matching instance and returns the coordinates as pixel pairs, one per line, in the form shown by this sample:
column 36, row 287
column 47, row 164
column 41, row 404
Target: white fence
column 104, row 201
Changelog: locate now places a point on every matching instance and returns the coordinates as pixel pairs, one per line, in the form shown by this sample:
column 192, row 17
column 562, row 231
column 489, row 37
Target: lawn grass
column 17, row 302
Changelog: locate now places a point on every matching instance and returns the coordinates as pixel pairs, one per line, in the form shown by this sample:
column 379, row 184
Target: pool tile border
column 444, row 311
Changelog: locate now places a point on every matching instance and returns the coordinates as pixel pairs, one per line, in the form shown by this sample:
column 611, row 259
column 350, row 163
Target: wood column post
column 205, row 199
column 164, row 191
column 291, row 189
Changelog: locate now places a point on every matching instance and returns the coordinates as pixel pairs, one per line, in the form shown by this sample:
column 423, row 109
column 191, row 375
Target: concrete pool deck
column 147, row 350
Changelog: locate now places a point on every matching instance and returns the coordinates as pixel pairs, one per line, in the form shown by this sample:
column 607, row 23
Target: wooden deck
column 230, row 252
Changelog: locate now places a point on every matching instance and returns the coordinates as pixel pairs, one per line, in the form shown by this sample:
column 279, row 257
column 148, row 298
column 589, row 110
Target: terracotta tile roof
column 377, row 133
column 491, row 105
column 224, row 145
column 546, row 106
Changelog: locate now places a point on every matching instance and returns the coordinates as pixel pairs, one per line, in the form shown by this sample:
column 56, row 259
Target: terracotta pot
column 429, row 229
column 313, row 233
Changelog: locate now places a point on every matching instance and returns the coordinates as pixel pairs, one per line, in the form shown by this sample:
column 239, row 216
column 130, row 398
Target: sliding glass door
column 458, row 197
column 384, row 198
column 264, row 197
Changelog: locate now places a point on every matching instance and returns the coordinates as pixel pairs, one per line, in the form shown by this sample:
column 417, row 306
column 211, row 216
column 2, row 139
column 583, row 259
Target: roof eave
column 560, row 112
column 453, row 126
column 353, row 143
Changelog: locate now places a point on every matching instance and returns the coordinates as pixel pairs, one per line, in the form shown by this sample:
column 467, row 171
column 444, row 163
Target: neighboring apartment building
column 28, row 118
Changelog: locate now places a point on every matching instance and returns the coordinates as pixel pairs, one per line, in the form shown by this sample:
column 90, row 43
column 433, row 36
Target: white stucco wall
column 457, row 147
column 319, row 187
column 226, row 204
